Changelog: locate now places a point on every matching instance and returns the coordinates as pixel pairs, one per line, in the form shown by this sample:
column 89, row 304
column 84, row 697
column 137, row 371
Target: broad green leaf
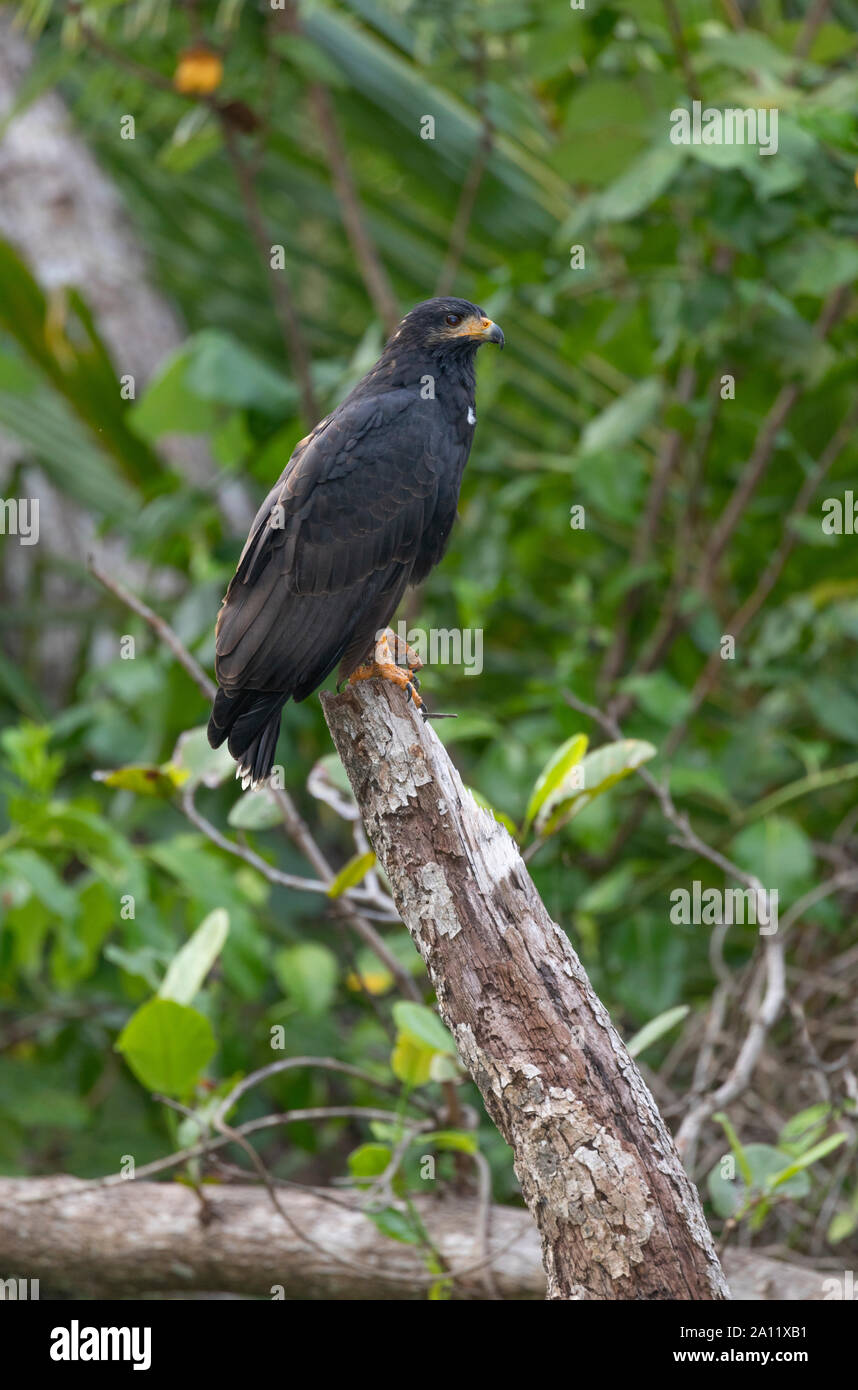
column 766, row 1164
column 797, row 1166
column 351, row 873
column 553, row 774
column 444, row 1068
column 659, row 695
column 167, row 1045
column 609, row 891
column 623, row 419
column 193, row 962
column 369, row 1161
column 44, row 881
column 656, row 1028
column 145, row 963
column 411, row 1061
column 778, row 852
column 396, row 1225
column 841, row 1226
column 222, row 369
column 194, row 756
column 641, row 183
column 255, row 810
column 423, row 1025
column 596, row 773
column 735, row 1145
column 212, row 373
column 804, row 1129
column 308, row 974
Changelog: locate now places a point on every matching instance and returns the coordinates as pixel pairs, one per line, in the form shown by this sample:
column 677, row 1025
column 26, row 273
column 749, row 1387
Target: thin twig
column 674, row 24
column 465, row 208
column 375, row 276
column 162, row 629
column 708, row 678
column 287, row 314
column 667, row 461
column 740, row 1074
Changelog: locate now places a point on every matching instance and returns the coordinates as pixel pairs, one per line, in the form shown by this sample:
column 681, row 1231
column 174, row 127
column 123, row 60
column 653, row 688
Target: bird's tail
column 250, row 719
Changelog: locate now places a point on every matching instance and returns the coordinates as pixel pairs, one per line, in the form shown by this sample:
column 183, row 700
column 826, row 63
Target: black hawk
column 363, row 508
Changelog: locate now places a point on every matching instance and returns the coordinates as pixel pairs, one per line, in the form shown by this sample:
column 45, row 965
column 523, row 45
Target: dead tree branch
column 618, row 1215
column 145, row 1237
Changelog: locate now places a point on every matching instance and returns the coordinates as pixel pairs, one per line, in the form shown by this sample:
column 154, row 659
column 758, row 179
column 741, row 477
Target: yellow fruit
column 199, row 72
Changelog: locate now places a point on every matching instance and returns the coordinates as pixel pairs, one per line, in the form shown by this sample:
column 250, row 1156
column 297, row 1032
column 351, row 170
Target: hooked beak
column 491, row 333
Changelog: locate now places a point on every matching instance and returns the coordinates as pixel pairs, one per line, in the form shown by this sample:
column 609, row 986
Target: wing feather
column 332, row 547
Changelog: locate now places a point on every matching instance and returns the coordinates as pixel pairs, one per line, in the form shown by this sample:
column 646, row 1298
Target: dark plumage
column 364, row 507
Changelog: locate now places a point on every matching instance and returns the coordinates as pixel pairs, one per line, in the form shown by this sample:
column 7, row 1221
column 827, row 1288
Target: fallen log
column 139, row 1239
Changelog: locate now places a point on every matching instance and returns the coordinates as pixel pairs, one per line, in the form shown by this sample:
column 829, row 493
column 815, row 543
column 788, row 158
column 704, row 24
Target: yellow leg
column 383, row 667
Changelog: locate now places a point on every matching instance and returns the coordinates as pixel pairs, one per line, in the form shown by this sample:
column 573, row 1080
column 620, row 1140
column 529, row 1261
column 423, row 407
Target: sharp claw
column 415, row 682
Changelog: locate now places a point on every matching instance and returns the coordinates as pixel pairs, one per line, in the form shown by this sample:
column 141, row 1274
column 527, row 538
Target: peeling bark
column 618, row 1215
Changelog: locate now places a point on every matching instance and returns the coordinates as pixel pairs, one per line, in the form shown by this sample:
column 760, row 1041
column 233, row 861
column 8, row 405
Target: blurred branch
column 741, row 1073
column 813, row 21
column 668, row 459
column 161, row 629
column 236, row 1247
column 375, row 276
column 674, row 24
column 736, row 625
column 284, row 304
column 471, row 186
column 764, row 448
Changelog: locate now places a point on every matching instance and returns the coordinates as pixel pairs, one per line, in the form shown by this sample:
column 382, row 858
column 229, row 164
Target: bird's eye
column 453, row 319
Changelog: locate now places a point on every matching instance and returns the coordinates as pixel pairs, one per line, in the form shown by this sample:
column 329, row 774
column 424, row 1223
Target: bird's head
column 446, row 326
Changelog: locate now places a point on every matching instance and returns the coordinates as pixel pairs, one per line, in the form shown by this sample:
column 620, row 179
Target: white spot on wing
column 472, row 419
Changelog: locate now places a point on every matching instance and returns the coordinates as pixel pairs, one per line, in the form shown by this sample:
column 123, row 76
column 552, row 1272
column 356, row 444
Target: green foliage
column 763, row 1175
column 702, row 263
column 167, row 1045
